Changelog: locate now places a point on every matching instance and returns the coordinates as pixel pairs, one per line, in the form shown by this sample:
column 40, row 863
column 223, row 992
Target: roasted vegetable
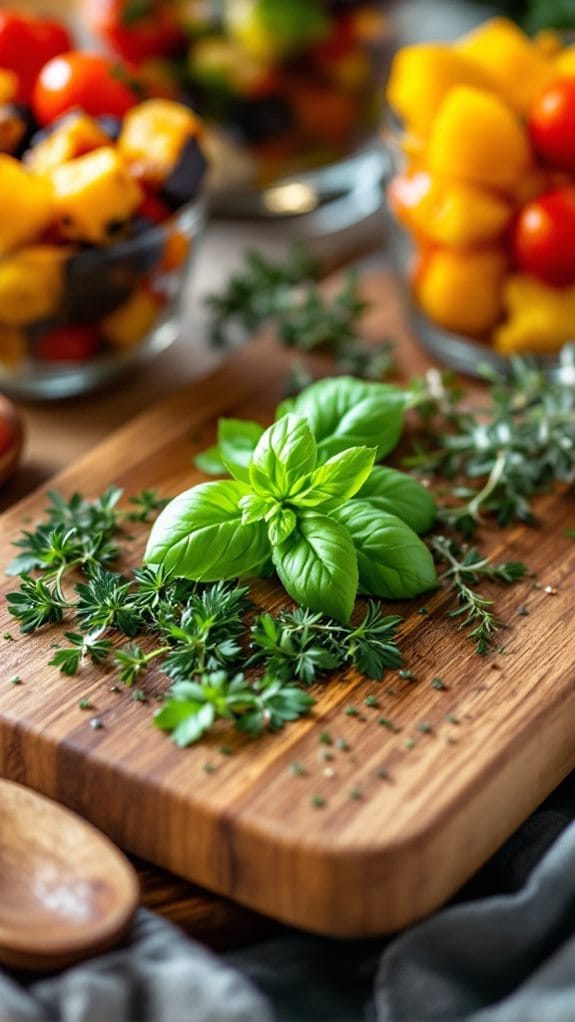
column 31, row 285
column 94, row 196
column 17, row 126
column 462, row 291
column 170, row 125
column 133, row 320
column 75, row 342
column 26, row 205
column 118, row 271
column 13, row 346
column 74, row 135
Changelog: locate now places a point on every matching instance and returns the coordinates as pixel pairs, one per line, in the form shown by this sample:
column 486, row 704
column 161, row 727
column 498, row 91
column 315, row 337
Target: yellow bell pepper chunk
column 476, row 138
column 26, row 205
column 76, row 135
column 13, row 347
column 564, row 63
column 128, row 325
column 449, row 213
column 462, row 291
column 153, row 136
column 508, row 56
column 8, row 85
column 31, row 284
column 422, row 75
column 540, row 319
column 94, row 195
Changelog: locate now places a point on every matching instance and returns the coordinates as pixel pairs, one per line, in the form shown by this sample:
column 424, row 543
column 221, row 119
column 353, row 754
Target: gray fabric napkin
column 157, row 976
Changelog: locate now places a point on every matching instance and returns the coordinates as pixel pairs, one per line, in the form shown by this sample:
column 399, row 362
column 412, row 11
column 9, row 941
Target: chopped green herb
column 522, row 611
column 355, row 794
column 85, row 704
column 139, row 696
column 407, row 675
column 371, row 701
column 225, row 750
column 325, row 738
column 439, row 684
column 209, row 768
column 425, row 727
column 409, row 743
column 318, row 801
column 351, row 711
column 383, row 773
column 423, row 611
column 16, row 680
column 451, row 717
column 342, row 745
column 297, row 769
column 8, row 637
column 387, row 723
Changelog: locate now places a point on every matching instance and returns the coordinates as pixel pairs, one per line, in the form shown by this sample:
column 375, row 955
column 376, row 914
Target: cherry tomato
column 26, row 44
column 136, row 31
column 11, row 438
column 153, row 208
column 544, row 237
column 74, row 343
column 98, row 85
column 552, row 124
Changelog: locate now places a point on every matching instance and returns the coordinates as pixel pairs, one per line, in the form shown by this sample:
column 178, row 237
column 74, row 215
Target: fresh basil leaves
column 306, row 497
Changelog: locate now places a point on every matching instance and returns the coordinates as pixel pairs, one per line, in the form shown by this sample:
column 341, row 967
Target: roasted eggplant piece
column 185, row 181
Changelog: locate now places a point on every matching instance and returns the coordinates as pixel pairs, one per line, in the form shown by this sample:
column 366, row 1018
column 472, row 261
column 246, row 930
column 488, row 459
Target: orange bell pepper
column 462, row 291
column 449, row 213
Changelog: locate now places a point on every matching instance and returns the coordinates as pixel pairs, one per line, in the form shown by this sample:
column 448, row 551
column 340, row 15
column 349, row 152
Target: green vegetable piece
column 343, row 412
column 285, row 454
column 393, row 562
column 199, row 535
column 317, row 566
column 338, row 479
column 400, row 494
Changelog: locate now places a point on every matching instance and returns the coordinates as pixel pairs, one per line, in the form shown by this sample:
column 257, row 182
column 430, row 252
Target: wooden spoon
column 66, row 892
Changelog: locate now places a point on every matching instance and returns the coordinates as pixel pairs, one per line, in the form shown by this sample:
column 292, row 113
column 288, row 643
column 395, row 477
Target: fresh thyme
column 498, row 457
column 286, row 295
column 464, row 568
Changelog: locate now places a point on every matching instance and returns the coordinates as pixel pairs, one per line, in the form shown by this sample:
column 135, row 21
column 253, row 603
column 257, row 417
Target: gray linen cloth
column 503, row 952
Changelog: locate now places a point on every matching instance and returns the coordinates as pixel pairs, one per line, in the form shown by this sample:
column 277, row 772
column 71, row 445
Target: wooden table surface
column 57, row 433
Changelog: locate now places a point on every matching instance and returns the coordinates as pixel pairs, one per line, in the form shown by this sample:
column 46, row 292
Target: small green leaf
column 200, row 535
column 210, row 462
column 317, row 566
column 237, row 441
column 285, row 454
column 337, row 479
column 393, row 562
column 400, row 494
column 281, row 526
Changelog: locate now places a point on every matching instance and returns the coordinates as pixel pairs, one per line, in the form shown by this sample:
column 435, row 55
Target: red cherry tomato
column 98, row 85
column 136, row 31
column 152, row 208
column 544, row 237
column 26, row 44
column 552, row 124
column 74, row 343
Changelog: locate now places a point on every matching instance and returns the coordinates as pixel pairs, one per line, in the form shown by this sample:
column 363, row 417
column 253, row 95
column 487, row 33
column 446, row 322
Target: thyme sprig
column 286, row 295
column 464, row 569
column 496, row 458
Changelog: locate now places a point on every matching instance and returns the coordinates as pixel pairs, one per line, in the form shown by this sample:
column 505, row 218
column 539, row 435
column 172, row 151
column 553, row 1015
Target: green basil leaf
column 344, row 412
column 281, row 525
column 199, row 535
column 285, row 454
column 237, row 441
column 317, row 566
column 393, row 562
column 338, row 479
column 210, row 462
column 400, row 494
column 255, row 508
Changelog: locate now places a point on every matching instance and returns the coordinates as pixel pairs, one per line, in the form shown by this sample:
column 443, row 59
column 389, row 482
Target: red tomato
column 544, row 237
column 74, row 343
column 98, row 85
column 552, row 124
column 153, row 208
column 137, row 31
column 26, row 44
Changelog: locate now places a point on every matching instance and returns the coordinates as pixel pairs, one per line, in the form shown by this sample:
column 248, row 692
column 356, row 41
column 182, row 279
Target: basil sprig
column 306, row 498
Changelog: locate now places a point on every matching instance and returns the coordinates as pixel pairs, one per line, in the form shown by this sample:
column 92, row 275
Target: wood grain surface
column 360, row 865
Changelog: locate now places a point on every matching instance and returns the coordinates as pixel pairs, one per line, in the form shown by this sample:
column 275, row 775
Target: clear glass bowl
column 465, row 354
column 124, row 298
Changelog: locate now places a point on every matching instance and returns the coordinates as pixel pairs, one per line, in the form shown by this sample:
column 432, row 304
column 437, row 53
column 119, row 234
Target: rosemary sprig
column 286, row 295
column 465, row 568
column 500, row 456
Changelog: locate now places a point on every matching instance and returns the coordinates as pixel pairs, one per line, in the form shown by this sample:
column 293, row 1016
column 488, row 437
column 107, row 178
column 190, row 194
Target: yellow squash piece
column 94, row 195
column 564, row 63
column 26, row 205
column 421, row 77
column 508, row 56
column 540, row 319
column 74, row 136
column 449, row 213
column 462, row 291
column 128, row 325
column 31, row 285
column 153, row 137
column 477, row 139
column 13, row 346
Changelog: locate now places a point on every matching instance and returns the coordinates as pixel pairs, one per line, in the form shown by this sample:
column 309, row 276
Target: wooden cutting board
column 464, row 767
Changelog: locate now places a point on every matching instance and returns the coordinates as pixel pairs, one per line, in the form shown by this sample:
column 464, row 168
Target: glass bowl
column 116, row 307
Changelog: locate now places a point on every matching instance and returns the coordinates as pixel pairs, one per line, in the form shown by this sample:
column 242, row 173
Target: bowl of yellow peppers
column 483, row 189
